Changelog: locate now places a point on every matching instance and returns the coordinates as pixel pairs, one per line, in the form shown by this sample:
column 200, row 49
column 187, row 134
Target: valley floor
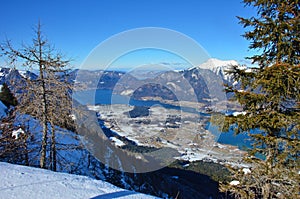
column 182, row 131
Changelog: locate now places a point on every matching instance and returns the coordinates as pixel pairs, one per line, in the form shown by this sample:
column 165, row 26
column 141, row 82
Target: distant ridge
column 219, row 67
column 216, row 63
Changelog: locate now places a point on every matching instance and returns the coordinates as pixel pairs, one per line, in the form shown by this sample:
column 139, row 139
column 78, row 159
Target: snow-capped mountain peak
column 219, row 67
column 216, row 63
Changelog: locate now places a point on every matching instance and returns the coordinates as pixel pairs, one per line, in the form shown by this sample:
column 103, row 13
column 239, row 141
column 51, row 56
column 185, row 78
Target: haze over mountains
column 200, row 83
column 196, row 83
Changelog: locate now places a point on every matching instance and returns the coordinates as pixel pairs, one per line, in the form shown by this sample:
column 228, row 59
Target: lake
column 106, row 97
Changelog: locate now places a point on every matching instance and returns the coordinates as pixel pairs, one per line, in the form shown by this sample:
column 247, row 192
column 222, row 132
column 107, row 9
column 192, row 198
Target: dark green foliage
column 275, row 31
column 7, row 97
column 271, row 99
column 216, row 172
column 139, row 111
column 139, row 149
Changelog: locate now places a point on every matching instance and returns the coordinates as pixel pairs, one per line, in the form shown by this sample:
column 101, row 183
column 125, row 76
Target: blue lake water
column 100, row 96
column 241, row 140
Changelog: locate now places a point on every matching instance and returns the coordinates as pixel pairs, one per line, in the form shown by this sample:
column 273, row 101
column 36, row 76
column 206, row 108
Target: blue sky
column 77, row 27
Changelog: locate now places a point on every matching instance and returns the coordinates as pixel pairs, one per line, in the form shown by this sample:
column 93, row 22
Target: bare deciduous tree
column 46, row 98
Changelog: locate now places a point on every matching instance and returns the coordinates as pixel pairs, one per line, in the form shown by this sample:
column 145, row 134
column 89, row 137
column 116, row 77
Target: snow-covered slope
column 219, row 67
column 28, row 182
column 2, row 110
column 7, row 75
column 215, row 63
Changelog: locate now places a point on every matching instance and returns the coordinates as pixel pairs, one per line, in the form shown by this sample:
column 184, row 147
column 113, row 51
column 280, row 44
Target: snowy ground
column 190, row 138
column 2, row 110
column 27, row 182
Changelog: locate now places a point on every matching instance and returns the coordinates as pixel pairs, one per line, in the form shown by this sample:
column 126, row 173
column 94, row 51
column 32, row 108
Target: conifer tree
column 7, row 97
column 270, row 97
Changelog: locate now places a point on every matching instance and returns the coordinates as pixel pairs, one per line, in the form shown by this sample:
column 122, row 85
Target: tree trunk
column 44, row 100
column 26, row 152
column 53, row 148
column 266, row 191
column 44, row 143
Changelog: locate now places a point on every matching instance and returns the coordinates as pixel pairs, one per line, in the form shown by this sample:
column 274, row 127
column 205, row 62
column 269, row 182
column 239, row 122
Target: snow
column 236, row 113
column 28, row 182
column 93, row 108
column 249, row 70
column 219, row 67
column 194, row 76
column 191, row 156
column 235, row 83
column 23, row 73
column 246, row 170
column 234, row 182
column 117, row 141
column 214, row 63
column 127, row 92
column 17, row 133
column 73, row 116
column 2, row 110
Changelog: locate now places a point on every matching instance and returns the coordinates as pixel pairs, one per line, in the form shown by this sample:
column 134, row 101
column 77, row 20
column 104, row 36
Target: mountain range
column 202, row 83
